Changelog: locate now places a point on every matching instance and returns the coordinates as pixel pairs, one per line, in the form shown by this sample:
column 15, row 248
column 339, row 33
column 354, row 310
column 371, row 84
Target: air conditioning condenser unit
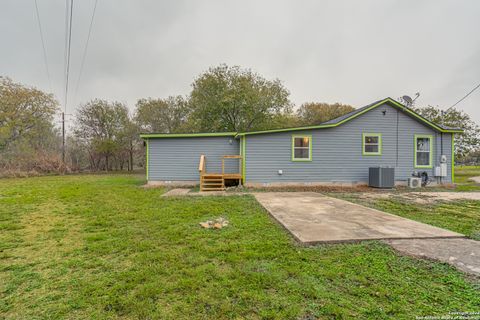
column 414, row 182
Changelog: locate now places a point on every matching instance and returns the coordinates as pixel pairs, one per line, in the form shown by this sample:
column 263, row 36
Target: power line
column 67, row 10
column 464, row 97
column 86, row 47
column 69, row 45
column 43, row 45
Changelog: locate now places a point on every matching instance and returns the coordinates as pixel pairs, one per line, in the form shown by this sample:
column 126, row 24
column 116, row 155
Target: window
column 301, row 148
column 372, row 144
column 423, row 151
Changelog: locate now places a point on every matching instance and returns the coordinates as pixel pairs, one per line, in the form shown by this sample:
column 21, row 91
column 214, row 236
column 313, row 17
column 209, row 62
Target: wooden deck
column 215, row 181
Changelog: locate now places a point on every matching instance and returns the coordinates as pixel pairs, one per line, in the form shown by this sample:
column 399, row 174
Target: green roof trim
column 354, row 115
column 329, row 124
column 187, row 135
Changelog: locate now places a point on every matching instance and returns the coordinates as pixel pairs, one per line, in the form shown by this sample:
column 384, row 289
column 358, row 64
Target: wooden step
column 212, row 182
column 213, row 189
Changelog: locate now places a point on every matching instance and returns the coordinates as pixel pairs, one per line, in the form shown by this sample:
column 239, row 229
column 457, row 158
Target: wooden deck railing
column 233, row 157
column 201, row 165
column 216, row 181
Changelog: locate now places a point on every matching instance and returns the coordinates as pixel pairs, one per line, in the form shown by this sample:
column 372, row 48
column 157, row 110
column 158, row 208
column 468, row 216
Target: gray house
column 339, row 151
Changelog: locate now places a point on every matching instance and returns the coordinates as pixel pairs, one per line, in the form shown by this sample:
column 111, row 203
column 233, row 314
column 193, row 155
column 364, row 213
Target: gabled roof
column 357, row 112
column 328, row 124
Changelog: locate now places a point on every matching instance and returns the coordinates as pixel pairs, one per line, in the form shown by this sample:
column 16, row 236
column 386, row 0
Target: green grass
column 102, row 247
column 458, row 216
column 462, row 176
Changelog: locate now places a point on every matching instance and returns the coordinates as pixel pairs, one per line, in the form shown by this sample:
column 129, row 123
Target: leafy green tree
column 313, row 113
column 162, row 115
column 26, row 113
column 465, row 142
column 100, row 125
column 233, row 99
column 129, row 142
column 284, row 120
column 29, row 140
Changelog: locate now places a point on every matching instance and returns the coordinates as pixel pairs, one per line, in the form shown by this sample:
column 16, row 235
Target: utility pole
column 63, row 137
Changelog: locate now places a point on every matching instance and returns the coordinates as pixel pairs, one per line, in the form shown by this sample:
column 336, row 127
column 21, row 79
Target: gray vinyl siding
column 337, row 152
column 177, row 159
column 447, row 151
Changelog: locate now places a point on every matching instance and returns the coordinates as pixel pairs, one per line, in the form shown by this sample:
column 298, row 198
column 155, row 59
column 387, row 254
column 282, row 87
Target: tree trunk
column 131, row 156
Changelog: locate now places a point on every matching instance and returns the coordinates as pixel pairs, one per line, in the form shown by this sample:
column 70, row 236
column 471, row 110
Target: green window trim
column 146, row 160
column 367, row 134
column 309, row 147
column 430, row 137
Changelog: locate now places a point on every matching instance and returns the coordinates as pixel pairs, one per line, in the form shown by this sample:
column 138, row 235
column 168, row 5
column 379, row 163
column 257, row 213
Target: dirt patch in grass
column 360, row 188
column 52, row 230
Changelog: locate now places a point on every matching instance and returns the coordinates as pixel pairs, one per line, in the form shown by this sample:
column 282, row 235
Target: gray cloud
column 334, row 51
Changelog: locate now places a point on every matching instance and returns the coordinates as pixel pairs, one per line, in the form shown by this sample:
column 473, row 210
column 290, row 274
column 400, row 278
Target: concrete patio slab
column 464, row 254
column 315, row 218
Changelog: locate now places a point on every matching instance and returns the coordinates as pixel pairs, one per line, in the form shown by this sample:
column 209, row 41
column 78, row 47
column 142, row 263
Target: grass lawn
column 459, row 216
column 462, row 174
column 102, row 247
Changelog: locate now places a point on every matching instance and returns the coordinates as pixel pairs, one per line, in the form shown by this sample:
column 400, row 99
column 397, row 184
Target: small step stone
column 176, row 192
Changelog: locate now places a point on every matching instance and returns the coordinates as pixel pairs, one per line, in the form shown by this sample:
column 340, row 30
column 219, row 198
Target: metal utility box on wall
column 381, row 177
column 441, row 171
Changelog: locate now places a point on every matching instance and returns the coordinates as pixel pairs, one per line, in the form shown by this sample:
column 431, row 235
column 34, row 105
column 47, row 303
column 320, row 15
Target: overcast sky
column 352, row 52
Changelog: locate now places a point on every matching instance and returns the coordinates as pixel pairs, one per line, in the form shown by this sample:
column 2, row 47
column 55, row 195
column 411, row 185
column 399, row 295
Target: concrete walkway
column 314, row 218
column 475, row 179
column 464, row 254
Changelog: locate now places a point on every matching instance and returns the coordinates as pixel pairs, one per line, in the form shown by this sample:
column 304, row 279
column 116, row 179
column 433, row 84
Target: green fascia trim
column 146, row 160
column 380, row 145
column 419, row 117
column 453, row 159
column 287, row 129
column 309, row 147
column 429, row 136
column 320, row 126
column 244, row 159
column 187, row 135
column 387, row 100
